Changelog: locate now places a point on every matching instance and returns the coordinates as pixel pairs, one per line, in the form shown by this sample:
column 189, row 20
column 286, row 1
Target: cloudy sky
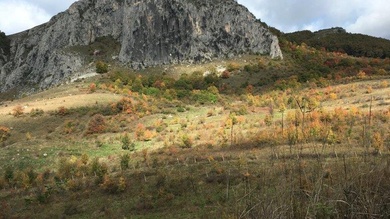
column 356, row 16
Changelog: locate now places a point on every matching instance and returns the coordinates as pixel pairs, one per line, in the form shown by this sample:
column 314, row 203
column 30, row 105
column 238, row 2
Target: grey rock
column 148, row 32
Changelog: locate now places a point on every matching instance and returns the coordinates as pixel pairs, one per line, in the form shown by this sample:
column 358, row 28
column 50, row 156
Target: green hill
column 338, row 40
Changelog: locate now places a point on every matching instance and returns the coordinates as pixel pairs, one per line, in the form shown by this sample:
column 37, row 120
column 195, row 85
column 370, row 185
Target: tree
column 282, row 109
column 126, row 143
column 233, row 120
column 306, row 105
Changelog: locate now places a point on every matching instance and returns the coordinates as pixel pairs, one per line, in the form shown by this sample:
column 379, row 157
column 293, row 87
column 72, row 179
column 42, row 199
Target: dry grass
column 196, row 162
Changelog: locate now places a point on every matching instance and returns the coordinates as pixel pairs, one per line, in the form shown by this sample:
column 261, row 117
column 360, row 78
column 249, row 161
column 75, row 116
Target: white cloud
column 374, row 20
column 19, row 15
column 52, row 6
column 360, row 16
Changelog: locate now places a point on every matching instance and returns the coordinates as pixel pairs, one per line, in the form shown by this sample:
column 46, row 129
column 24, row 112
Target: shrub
column 9, row 174
column 18, row 111
column 137, row 85
column 186, row 141
column 181, row 109
column 361, row 75
column 225, row 74
column 233, row 66
column 66, row 168
column 384, row 84
column 74, row 185
column 152, row 91
column 126, row 143
column 139, row 131
column 43, row 194
column 97, row 124
column 211, row 79
column 92, row 88
column 70, row 126
column 204, row 96
column 121, row 184
column 84, row 159
column 98, row 169
column 125, row 159
column 101, row 67
column 268, row 120
column 149, row 135
column 249, row 89
column 332, row 96
column 108, row 185
column 36, row 112
column 4, row 133
column 377, row 142
column 62, row 111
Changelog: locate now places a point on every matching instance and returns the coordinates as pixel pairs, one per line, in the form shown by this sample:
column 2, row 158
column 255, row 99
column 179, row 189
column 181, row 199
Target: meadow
column 248, row 137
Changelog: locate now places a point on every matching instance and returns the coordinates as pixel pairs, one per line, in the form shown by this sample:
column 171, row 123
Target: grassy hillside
column 338, row 40
column 248, row 137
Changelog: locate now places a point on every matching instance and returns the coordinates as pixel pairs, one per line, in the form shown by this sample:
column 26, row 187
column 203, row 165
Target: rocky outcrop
column 148, row 32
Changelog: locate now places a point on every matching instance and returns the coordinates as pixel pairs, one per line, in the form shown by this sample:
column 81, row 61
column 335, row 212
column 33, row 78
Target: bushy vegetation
column 101, row 67
column 306, row 137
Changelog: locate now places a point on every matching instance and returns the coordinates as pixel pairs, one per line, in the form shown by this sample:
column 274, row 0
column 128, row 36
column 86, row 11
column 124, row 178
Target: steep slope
column 147, row 32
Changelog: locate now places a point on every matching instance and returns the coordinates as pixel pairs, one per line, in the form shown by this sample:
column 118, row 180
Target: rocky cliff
column 147, row 33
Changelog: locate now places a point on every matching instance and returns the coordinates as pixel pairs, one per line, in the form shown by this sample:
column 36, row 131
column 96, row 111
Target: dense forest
column 338, row 40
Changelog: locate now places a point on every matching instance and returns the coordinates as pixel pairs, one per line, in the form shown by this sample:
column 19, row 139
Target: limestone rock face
column 148, row 32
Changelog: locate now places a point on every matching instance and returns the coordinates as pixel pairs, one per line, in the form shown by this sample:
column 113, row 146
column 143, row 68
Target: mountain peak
column 143, row 33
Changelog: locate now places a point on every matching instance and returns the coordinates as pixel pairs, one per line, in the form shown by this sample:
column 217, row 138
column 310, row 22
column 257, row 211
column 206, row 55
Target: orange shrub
column 62, row 111
column 361, row 75
column 384, row 84
column 149, row 135
column 332, row 96
column 18, row 111
column 92, row 88
column 140, row 131
column 377, row 142
column 97, row 124
column 369, row 90
column 4, row 133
